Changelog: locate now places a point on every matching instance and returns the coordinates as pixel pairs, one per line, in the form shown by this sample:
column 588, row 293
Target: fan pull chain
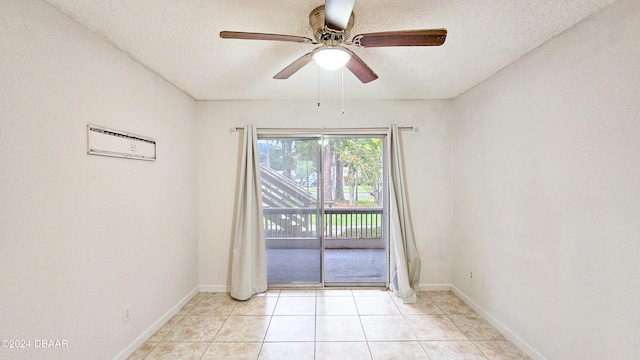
column 342, row 86
column 318, row 85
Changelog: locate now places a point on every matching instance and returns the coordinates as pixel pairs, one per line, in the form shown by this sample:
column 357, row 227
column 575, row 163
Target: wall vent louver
column 107, row 142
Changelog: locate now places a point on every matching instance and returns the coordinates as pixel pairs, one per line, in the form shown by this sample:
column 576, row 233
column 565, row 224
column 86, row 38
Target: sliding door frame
column 322, row 135
column 319, row 222
column 385, row 208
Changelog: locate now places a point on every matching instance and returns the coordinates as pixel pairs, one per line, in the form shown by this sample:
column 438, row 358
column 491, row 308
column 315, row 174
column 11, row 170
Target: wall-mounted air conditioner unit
column 107, row 142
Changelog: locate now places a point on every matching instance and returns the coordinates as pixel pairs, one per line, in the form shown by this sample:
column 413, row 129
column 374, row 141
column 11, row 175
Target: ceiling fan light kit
column 331, row 58
column 331, row 24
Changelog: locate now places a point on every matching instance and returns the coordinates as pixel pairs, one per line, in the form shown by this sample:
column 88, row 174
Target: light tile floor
column 327, row 324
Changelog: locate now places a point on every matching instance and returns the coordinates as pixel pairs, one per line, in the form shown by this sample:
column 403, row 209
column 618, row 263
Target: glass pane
column 355, row 248
column 289, row 178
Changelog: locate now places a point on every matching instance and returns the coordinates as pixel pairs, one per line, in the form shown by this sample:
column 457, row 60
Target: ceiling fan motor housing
column 324, row 34
column 332, row 29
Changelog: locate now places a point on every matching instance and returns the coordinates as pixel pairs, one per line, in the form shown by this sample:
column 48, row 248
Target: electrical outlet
column 126, row 313
column 472, row 276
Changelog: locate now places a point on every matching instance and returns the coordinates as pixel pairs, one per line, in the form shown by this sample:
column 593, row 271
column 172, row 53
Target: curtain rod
column 381, row 130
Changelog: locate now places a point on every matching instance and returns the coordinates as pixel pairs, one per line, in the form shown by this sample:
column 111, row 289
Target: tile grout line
column 199, row 299
column 447, row 315
column 160, row 340
column 268, row 325
column 315, row 325
column 264, row 337
column 221, row 326
column 404, row 316
column 366, row 339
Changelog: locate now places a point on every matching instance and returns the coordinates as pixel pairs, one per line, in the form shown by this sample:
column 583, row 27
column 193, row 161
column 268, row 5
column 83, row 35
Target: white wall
column 427, row 164
column 81, row 236
column 545, row 186
column 546, row 179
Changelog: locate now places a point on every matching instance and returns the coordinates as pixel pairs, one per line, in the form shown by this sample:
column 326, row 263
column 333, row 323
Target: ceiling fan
column 331, row 24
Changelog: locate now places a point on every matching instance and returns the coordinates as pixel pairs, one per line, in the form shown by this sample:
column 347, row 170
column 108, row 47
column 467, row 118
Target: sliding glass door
column 355, row 251
column 324, row 210
column 289, row 170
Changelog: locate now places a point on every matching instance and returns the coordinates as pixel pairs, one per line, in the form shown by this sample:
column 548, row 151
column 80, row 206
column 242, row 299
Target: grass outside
column 355, row 233
column 355, row 220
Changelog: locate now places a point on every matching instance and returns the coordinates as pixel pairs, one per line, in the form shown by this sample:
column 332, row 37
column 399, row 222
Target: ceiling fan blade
column 432, row 37
column 359, row 68
column 261, row 36
column 294, row 66
column 337, row 13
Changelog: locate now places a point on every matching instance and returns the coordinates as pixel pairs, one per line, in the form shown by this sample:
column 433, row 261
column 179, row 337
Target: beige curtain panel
column 249, row 259
column 404, row 264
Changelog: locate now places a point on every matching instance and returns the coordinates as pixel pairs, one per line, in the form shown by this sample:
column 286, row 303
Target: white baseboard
column 224, row 288
column 431, row 287
column 213, row 288
column 155, row 326
column 503, row 329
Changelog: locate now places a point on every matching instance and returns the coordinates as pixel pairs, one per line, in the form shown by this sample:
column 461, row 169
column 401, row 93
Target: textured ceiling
column 178, row 39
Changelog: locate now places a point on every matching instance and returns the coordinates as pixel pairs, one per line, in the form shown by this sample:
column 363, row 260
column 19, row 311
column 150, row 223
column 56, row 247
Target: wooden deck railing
column 340, row 223
column 290, row 222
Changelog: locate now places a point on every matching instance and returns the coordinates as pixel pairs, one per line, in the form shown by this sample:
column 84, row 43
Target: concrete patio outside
column 302, row 266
